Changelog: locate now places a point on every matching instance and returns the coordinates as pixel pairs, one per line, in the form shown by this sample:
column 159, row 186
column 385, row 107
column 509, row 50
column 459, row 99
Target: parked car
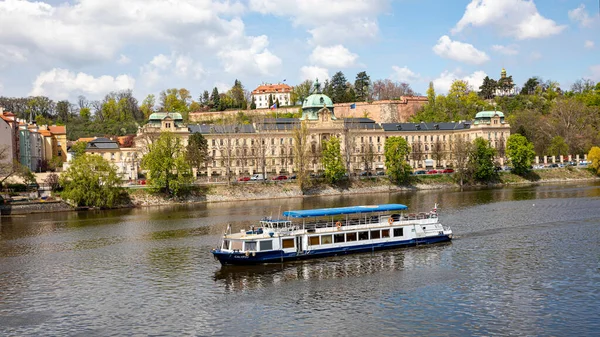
column 142, row 182
column 365, row 174
column 433, row 172
column 380, row 173
column 280, row 178
column 448, row 170
column 244, row 179
column 257, row 177
column 292, row 177
column 420, row 172
column 554, row 165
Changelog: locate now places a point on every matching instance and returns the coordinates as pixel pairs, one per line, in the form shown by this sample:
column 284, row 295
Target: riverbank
column 277, row 190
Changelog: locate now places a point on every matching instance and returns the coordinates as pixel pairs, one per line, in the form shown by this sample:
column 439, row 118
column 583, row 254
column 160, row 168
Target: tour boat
column 329, row 232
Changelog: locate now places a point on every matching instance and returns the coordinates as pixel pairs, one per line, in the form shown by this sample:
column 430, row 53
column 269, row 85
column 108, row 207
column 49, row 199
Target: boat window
column 339, row 238
column 250, row 246
column 287, row 243
column 385, row 233
column 398, row 232
column 266, row 245
column 375, row 234
column 351, row 236
column 236, row 245
column 363, row 235
column 225, row 244
column 325, row 239
column 313, row 240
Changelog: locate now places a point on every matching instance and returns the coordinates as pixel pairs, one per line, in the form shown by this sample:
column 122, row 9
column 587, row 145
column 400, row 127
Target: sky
column 63, row 49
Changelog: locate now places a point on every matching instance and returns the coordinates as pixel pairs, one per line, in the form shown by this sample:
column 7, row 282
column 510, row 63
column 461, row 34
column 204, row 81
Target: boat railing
column 401, row 219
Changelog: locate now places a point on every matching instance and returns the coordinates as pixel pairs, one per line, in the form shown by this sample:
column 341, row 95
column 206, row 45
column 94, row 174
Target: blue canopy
column 344, row 210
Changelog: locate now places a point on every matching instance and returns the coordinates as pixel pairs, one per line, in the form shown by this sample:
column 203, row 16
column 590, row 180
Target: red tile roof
column 45, row 133
column 272, row 88
column 57, row 130
column 86, row 139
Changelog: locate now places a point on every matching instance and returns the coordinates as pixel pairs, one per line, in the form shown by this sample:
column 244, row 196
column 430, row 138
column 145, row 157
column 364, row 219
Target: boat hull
column 279, row 256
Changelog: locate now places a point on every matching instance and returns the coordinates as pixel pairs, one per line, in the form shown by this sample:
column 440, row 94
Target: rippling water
column 525, row 261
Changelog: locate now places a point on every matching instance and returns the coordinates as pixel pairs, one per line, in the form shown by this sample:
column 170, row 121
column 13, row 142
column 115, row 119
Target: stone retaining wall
column 34, row 207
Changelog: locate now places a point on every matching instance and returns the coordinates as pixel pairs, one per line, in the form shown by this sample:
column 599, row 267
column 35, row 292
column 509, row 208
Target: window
column 266, row 245
column 375, row 234
column 287, row 243
column 363, row 235
column 225, row 244
column 313, row 241
column 236, row 245
column 325, row 239
column 398, row 232
column 250, row 245
column 385, row 233
column 339, row 238
column 350, row 237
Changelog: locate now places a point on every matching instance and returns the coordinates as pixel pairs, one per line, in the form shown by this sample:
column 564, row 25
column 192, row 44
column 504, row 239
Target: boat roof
column 344, row 210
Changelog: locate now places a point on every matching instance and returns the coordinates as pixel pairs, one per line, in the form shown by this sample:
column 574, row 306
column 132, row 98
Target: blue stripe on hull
column 279, row 256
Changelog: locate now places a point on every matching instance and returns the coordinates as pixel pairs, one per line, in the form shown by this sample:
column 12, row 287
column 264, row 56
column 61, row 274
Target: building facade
column 279, row 91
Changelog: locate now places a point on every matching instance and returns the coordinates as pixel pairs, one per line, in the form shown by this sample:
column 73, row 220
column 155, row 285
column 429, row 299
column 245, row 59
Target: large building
column 278, row 92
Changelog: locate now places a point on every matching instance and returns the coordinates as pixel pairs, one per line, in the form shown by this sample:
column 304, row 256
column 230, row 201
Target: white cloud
column 459, row 51
column 162, row 66
column 581, row 16
column 595, row 72
column 588, row 44
column 404, row 74
column 516, row 18
column 123, row 59
column 222, row 87
column 506, row 50
column 85, row 31
column 252, row 59
column 312, row 72
column 11, row 54
column 329, row 22
column 62, row 84
column 444, row 81
column 335, row 56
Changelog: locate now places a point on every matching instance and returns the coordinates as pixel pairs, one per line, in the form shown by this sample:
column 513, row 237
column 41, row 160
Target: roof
column 360, row 123
column 317, row 101
column 45, row 133
column 57, row 129
column 163, row 115
column 102, row 143
column 272, row 124
column 344, row 210
column 86, row 139
column 489, row 114
column 272, row 88
column 441, row 126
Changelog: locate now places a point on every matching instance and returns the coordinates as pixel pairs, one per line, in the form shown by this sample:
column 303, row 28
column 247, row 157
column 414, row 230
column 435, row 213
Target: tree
column 521, row 153
column 301, row 91
column 594, row 159
column 253, row 104
column 168, row 170
column 8, row 167
column 558, row 147
column 53, row 181
column 78, row 148
column 91, row 180
column 338, row 87
column 85, row 114
column 387, row 89
column 460, row 153
column 237, row 95
column 301, row 153
column 270, row 100
column 147, row 106
column 215, row 99
column 362, row 86
column 368, row 156
column 530, row 86
column 481, row 160
column 437, row 151
column 332, row 160
column 396, row 150
column 487, row 90
column 63, row 109
column 197, row 150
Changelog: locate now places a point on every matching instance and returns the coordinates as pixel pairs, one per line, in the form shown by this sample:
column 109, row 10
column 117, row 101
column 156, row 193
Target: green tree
column 168, row 170
column 215, row 99
column 270, row 100
column 362, row 86
column 63, row 109
column 197, row 150
column 301, row 91
column 594, row 159
column 530, row 86
column 558, row 147
column 237, row 95
column 481, row 160
column 487, row 90
column 91, row 180
column 431, row 94
column 520, row 153
column 85, row 114
column 332, row 160
column 396, row 150
column 147, row 106
column 338, row 87
column 79, row 148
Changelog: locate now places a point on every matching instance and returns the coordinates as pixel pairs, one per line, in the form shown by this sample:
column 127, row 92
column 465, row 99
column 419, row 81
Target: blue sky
column 63, row 49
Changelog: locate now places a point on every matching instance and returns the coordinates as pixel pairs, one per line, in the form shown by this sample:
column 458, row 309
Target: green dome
column 317, row 101
column 489, row 114
column 158, row 116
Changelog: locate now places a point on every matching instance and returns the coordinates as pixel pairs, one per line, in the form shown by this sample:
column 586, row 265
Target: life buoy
column 390, row 220
column 338, row 225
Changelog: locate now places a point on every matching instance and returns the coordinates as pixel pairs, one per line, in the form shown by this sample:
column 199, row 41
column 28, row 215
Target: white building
column 278, row 91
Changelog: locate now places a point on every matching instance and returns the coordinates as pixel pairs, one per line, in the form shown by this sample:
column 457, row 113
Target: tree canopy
column 520, row 153
column 332, row 160
column 396, row 149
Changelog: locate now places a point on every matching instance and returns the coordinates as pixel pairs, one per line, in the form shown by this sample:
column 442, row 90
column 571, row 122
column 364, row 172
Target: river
column 524, row 261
